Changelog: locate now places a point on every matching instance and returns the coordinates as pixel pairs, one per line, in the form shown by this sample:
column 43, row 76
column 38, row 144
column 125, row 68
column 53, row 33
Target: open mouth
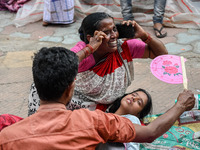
column 113, row 43
column 129, row 101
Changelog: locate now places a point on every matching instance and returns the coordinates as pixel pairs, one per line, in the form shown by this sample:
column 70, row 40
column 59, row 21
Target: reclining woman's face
column 133, row 103
column 109, row 44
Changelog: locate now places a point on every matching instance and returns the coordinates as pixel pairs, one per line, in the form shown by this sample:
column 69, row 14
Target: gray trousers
column 159, row 10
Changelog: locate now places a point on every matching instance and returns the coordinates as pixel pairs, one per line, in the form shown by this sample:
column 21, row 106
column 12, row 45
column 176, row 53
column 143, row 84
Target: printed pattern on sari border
column 103, row 83
column 103, row 90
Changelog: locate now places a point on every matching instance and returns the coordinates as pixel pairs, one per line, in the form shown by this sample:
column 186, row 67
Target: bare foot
column 45, row 23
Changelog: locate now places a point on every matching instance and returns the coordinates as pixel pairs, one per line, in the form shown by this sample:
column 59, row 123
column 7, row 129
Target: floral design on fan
column 170, row 69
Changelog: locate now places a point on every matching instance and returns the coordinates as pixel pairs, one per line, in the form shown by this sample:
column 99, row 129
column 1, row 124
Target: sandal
column 160, row 35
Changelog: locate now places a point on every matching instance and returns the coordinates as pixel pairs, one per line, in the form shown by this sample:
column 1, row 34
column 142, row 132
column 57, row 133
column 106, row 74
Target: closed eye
column 140, row 102
column 114, row 29
column 106, row 32
column 133, row 94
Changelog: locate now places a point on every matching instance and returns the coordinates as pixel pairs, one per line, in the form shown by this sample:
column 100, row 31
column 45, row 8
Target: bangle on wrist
column 90, row 47
column 86, row 52
column 149, row 38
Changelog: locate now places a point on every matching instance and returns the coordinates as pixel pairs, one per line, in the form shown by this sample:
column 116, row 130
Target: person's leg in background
column 126, row 6
column 58, row 12
column 159, row 10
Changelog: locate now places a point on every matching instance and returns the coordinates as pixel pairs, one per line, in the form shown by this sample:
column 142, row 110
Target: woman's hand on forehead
column 99, row 35
column 96, row 40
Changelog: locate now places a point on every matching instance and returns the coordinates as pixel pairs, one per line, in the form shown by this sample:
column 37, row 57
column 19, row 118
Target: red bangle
column 90, row 47
column 149, row 38
column 86, row 52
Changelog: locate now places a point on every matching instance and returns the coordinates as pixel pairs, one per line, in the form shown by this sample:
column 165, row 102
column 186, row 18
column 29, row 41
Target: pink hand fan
column 170, row 69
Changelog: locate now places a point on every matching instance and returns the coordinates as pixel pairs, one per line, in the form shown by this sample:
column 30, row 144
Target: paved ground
column 17, row 46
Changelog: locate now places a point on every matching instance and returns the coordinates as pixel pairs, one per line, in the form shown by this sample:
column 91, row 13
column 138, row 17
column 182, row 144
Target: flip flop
column 159, row 31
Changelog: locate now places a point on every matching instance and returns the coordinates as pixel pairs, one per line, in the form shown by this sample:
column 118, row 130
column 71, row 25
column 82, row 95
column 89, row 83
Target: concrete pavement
column 19, row 44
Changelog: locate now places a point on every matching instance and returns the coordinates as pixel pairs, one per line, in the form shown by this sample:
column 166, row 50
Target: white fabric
column 132, row 145
column 181, row 13
column 31, row 11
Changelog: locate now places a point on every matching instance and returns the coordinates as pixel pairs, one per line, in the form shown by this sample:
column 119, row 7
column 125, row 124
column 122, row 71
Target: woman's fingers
column 96, row 39
column 129, row 22
column 99, row 35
